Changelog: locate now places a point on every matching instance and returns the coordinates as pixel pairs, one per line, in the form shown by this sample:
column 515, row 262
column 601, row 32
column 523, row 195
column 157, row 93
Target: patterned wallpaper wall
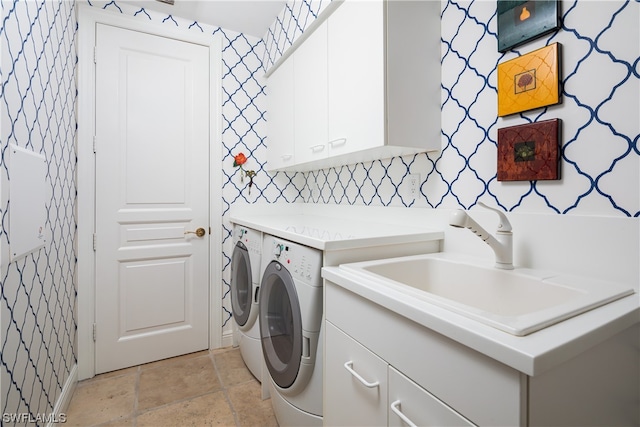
column 600, row 114
column 37, row 112
column 600, row 157
column 294, row 19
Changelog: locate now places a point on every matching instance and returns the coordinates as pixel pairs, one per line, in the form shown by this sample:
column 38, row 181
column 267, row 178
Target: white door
column 152, row 189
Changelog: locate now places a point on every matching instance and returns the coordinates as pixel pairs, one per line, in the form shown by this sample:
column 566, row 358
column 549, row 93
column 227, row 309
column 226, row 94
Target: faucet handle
column 505, row 225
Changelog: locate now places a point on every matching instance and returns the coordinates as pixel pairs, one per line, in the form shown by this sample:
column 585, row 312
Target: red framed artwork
column 529, row 152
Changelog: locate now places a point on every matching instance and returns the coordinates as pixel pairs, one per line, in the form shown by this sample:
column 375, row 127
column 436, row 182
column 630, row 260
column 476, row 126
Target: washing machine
column 291, row 330
column 245, row 290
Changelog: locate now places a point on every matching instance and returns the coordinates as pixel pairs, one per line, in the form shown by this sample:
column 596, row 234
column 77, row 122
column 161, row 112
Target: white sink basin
column 519, row 301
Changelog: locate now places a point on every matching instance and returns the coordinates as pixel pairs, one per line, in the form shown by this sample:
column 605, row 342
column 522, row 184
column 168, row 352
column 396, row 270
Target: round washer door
column 280, row 325
column 241, row 284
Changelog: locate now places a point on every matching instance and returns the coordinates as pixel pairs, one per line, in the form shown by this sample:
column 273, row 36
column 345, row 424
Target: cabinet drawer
column 347, row 399
column 418, row 405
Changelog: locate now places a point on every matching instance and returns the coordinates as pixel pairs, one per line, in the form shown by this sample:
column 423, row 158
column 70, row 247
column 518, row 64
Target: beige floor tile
column 222, row 350
column 172, row 382
column 250, row 409
column 99, row 401
column 231, row 368
column 208, row 410
column 182, row 391
column 153, row 365
column 127, row 422
column 126, row 371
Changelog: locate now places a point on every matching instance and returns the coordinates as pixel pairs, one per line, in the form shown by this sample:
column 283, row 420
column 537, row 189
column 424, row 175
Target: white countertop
column 336, row 228
column 329, row 233
column 532, row 354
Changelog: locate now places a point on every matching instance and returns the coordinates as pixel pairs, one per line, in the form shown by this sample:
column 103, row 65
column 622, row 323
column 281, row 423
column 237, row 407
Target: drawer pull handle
column 286, row 157
column 349, row 367
column 317, row 148
column 395, row 407
column 338, row 142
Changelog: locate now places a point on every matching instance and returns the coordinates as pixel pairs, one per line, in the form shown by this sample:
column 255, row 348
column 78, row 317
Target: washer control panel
column 303, row 263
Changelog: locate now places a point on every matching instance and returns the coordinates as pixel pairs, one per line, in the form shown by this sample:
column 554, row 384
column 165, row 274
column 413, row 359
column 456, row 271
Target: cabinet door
column 355, row 385
column 310, row 83
column 410, row 403
column 280, row 137
column 356, row 77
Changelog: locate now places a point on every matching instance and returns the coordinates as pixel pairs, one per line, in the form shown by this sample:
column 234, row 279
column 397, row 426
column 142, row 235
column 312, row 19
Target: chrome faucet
column 502, row 243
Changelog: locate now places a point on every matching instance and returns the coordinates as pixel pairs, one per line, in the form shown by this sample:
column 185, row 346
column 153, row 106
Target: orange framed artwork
column 529, row 81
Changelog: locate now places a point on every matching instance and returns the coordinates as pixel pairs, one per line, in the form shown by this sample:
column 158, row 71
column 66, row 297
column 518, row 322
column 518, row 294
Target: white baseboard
column 65, row 397
column 227, row 339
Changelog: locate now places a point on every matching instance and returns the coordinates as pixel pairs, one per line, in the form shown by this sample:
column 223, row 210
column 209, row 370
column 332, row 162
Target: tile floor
column 199, row 389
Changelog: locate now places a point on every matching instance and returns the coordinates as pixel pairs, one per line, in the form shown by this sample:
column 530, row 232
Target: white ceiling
column 252, row 17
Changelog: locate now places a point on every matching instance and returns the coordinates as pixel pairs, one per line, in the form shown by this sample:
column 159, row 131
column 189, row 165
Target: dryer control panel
column 302, row 262
column 252, row 239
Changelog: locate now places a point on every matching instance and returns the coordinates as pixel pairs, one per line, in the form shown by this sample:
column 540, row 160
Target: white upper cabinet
column 280, row 97
column 356, row 77
column 366, row 85
column 310, row 99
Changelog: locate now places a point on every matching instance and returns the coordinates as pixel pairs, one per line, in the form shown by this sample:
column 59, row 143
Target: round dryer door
column 280, row 325
column 241, row 284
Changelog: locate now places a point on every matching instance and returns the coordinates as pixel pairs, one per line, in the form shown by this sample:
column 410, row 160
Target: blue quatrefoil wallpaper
column 600, row 156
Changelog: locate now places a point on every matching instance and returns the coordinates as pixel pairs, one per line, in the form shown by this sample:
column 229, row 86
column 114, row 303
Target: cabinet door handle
column 395, row 407
column 317, row 148
column 286, row 157
column 349, row 367
column 338, row 142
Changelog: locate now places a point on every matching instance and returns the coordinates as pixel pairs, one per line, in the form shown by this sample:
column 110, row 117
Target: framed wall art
column 522, row 21
column 529, row 81
column 529, row 152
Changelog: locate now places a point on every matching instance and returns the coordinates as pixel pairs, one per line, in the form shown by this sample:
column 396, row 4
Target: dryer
column 245, row 289
column 290, row 312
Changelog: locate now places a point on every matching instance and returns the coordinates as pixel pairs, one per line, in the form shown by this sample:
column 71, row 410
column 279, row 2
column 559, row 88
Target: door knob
column 200, row 232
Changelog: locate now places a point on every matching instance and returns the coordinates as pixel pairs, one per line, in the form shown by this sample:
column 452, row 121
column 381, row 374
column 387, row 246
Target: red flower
column 239, row 160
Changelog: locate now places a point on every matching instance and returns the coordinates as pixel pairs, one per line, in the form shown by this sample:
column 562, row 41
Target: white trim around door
column 88, row 18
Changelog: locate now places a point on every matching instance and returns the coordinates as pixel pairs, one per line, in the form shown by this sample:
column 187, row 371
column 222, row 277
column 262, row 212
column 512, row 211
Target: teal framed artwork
column 522, row 21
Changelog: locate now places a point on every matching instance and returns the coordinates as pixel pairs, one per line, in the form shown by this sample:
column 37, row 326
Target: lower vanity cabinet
column 382, row 368
column 363, row 389
column 375, row 358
